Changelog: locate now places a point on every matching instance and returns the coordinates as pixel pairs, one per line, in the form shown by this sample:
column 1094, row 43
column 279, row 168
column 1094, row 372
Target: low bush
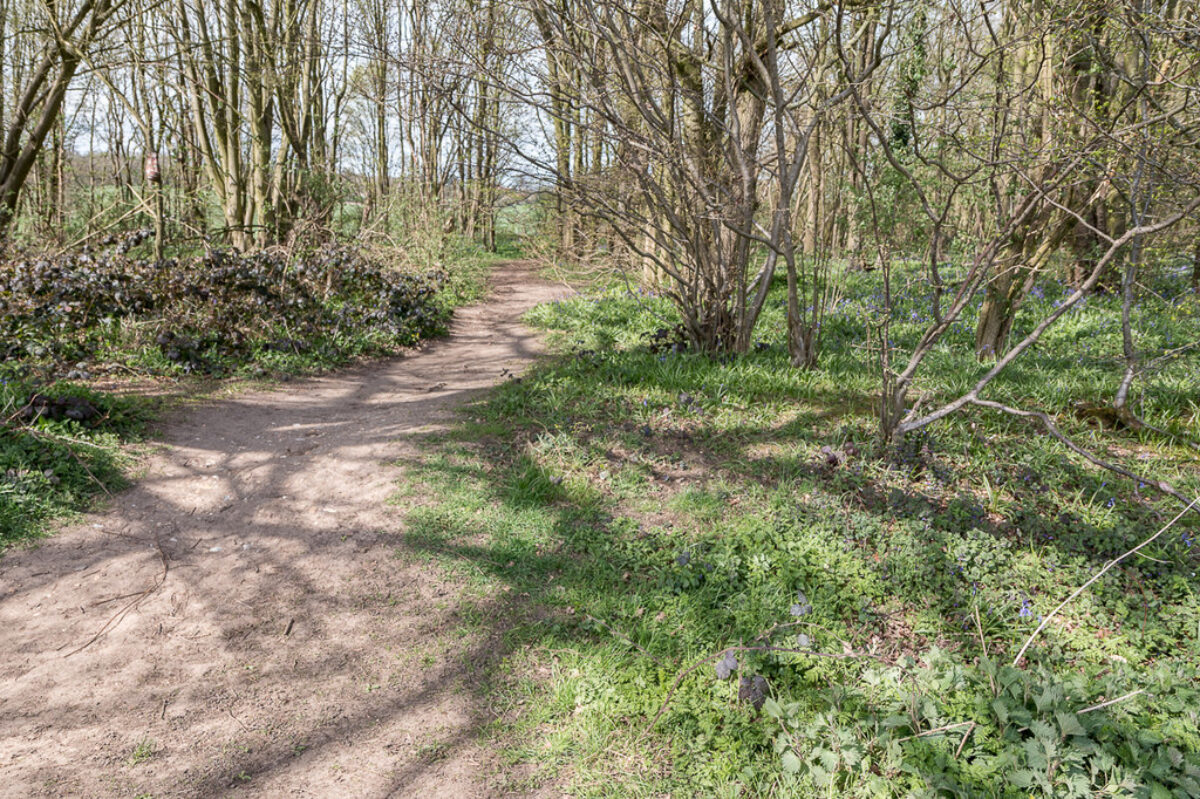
column 222, row 311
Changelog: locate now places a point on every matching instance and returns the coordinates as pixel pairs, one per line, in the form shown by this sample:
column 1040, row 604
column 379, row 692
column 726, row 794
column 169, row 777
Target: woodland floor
column 245, row 620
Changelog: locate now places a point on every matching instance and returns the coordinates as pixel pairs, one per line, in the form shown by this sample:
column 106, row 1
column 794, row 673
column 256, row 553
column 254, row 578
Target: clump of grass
column 145, row 750
column 53, row 466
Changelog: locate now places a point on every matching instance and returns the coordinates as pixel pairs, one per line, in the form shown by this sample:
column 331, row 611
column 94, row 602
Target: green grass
column 469, row 264
column 145, row 750
column 644, row 511
column 50, row 469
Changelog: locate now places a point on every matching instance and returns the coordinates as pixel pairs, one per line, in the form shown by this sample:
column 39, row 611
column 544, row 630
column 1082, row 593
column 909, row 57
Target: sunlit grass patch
column 648, row 508
column 60, row 446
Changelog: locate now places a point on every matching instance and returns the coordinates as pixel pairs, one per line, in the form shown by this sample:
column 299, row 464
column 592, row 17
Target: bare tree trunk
column 1196, row 267
column 37, row 108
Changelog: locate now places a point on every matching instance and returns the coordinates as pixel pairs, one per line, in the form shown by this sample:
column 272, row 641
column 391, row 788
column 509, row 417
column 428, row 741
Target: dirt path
column 267, row 637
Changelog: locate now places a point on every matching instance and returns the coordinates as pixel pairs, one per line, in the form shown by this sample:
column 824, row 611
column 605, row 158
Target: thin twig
column 1160, row 485
column 963, row 742
column 1129, row 695
column 973, row 724
column 937, row 730
column 47, row 436
column 138, row 598
column 1095, row 577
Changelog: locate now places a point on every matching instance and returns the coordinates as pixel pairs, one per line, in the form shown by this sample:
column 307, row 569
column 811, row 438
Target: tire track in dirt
column 281, row 647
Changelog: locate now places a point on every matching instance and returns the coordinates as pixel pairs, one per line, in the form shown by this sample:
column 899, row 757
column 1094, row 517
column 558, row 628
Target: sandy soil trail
column 243, row 621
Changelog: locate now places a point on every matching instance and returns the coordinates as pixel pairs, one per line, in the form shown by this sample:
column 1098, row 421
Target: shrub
column 222, row 306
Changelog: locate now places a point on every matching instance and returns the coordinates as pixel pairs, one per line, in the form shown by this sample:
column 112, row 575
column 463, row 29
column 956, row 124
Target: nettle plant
column 938, row 727
column 946, row 729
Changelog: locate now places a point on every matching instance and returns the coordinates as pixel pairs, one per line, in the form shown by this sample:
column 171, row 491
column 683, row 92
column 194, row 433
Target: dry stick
column 1186, row 442
column 229, row 710
column 118, row 598
column 1035, row 336
column 961, row 743
column 937, row 730
column 1051, row 428
column 113, row 620
column 117, row 617
column 1129, row 695
column 1045, row 621
column 75, row 455
column 8, row 423
column 1166, row 356
column 1161, row 485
